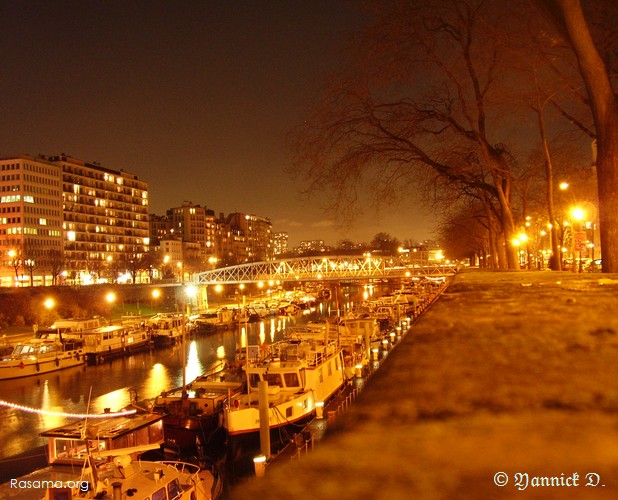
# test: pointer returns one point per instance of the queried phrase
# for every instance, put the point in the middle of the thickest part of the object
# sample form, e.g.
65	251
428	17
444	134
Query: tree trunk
555	261
605	112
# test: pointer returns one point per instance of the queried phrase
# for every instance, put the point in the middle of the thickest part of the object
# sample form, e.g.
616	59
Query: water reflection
157	380
194	366
92	389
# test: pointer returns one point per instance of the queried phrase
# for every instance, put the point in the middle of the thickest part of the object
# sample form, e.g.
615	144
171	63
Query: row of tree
481	106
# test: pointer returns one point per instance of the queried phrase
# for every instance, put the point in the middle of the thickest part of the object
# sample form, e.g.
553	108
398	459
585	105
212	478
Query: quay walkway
506	387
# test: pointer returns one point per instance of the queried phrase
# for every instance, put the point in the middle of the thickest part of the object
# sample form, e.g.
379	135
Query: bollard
319	410
259	465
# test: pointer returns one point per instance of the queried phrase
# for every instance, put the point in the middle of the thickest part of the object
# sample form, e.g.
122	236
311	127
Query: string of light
40	411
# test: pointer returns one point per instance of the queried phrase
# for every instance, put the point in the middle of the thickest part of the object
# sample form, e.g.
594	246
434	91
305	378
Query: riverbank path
507	387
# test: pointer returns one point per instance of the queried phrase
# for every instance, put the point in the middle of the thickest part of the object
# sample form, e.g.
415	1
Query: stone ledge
513	372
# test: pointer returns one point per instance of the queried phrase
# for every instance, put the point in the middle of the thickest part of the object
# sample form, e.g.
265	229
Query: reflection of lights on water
262	333
59	414
220	352
243	337
273	329
157	381
194	366
115	399
50	420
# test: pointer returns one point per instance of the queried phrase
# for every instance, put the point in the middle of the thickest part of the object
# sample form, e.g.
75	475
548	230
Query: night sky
194	97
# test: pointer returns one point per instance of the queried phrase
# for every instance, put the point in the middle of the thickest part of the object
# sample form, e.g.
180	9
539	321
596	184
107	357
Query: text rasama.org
44	484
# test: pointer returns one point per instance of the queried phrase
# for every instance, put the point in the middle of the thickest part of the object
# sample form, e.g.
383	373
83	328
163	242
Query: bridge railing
326	268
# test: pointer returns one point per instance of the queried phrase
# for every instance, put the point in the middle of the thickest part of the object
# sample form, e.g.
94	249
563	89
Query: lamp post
110	297
183	301
576	214
15	262
156	293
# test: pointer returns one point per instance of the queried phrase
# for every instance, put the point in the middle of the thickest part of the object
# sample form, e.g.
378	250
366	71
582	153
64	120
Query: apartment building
59	212
257	231
31	218
194	223
280	243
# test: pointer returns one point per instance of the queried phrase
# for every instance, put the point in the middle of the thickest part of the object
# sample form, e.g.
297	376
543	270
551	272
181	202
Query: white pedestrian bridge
325	268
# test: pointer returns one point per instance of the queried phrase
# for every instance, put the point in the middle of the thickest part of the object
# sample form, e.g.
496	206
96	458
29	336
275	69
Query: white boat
123	476
110	341
246	315
47	353
213	320
76	324
98	458
299	372
353	335
165	328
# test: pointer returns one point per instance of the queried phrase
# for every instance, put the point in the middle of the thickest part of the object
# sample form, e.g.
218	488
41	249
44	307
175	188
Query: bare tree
55	263
424	88
568	17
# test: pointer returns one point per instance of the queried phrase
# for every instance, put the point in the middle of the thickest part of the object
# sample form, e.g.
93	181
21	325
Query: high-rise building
194	223
31	244
257	231
90	221
280	243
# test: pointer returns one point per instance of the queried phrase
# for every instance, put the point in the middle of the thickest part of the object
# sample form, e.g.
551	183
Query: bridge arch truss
350	267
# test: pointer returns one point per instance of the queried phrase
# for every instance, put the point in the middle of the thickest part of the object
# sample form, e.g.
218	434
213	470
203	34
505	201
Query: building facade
257	231
31	218
65	214
280	244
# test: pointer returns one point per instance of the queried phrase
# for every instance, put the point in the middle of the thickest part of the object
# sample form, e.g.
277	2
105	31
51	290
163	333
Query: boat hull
15	368
242	416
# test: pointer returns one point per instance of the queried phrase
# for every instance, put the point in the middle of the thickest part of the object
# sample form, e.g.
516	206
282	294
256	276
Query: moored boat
193	413
214	320
299	372
98	458
165	328
47	353
111	341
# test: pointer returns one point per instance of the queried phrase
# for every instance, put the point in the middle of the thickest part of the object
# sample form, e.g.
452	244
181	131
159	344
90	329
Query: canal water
92	389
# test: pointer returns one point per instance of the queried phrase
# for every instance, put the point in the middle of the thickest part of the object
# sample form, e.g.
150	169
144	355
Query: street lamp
110	298
156	293
49	303
15	262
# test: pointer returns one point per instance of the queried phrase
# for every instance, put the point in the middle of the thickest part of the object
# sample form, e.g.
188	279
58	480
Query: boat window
174	490
274	379
291	379
159	494
330	369
320	376
254	378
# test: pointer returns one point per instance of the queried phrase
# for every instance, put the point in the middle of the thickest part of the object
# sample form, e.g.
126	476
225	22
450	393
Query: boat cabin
75	325
71	443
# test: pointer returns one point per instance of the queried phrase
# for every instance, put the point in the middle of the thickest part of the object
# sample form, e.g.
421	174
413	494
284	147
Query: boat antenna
89	459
